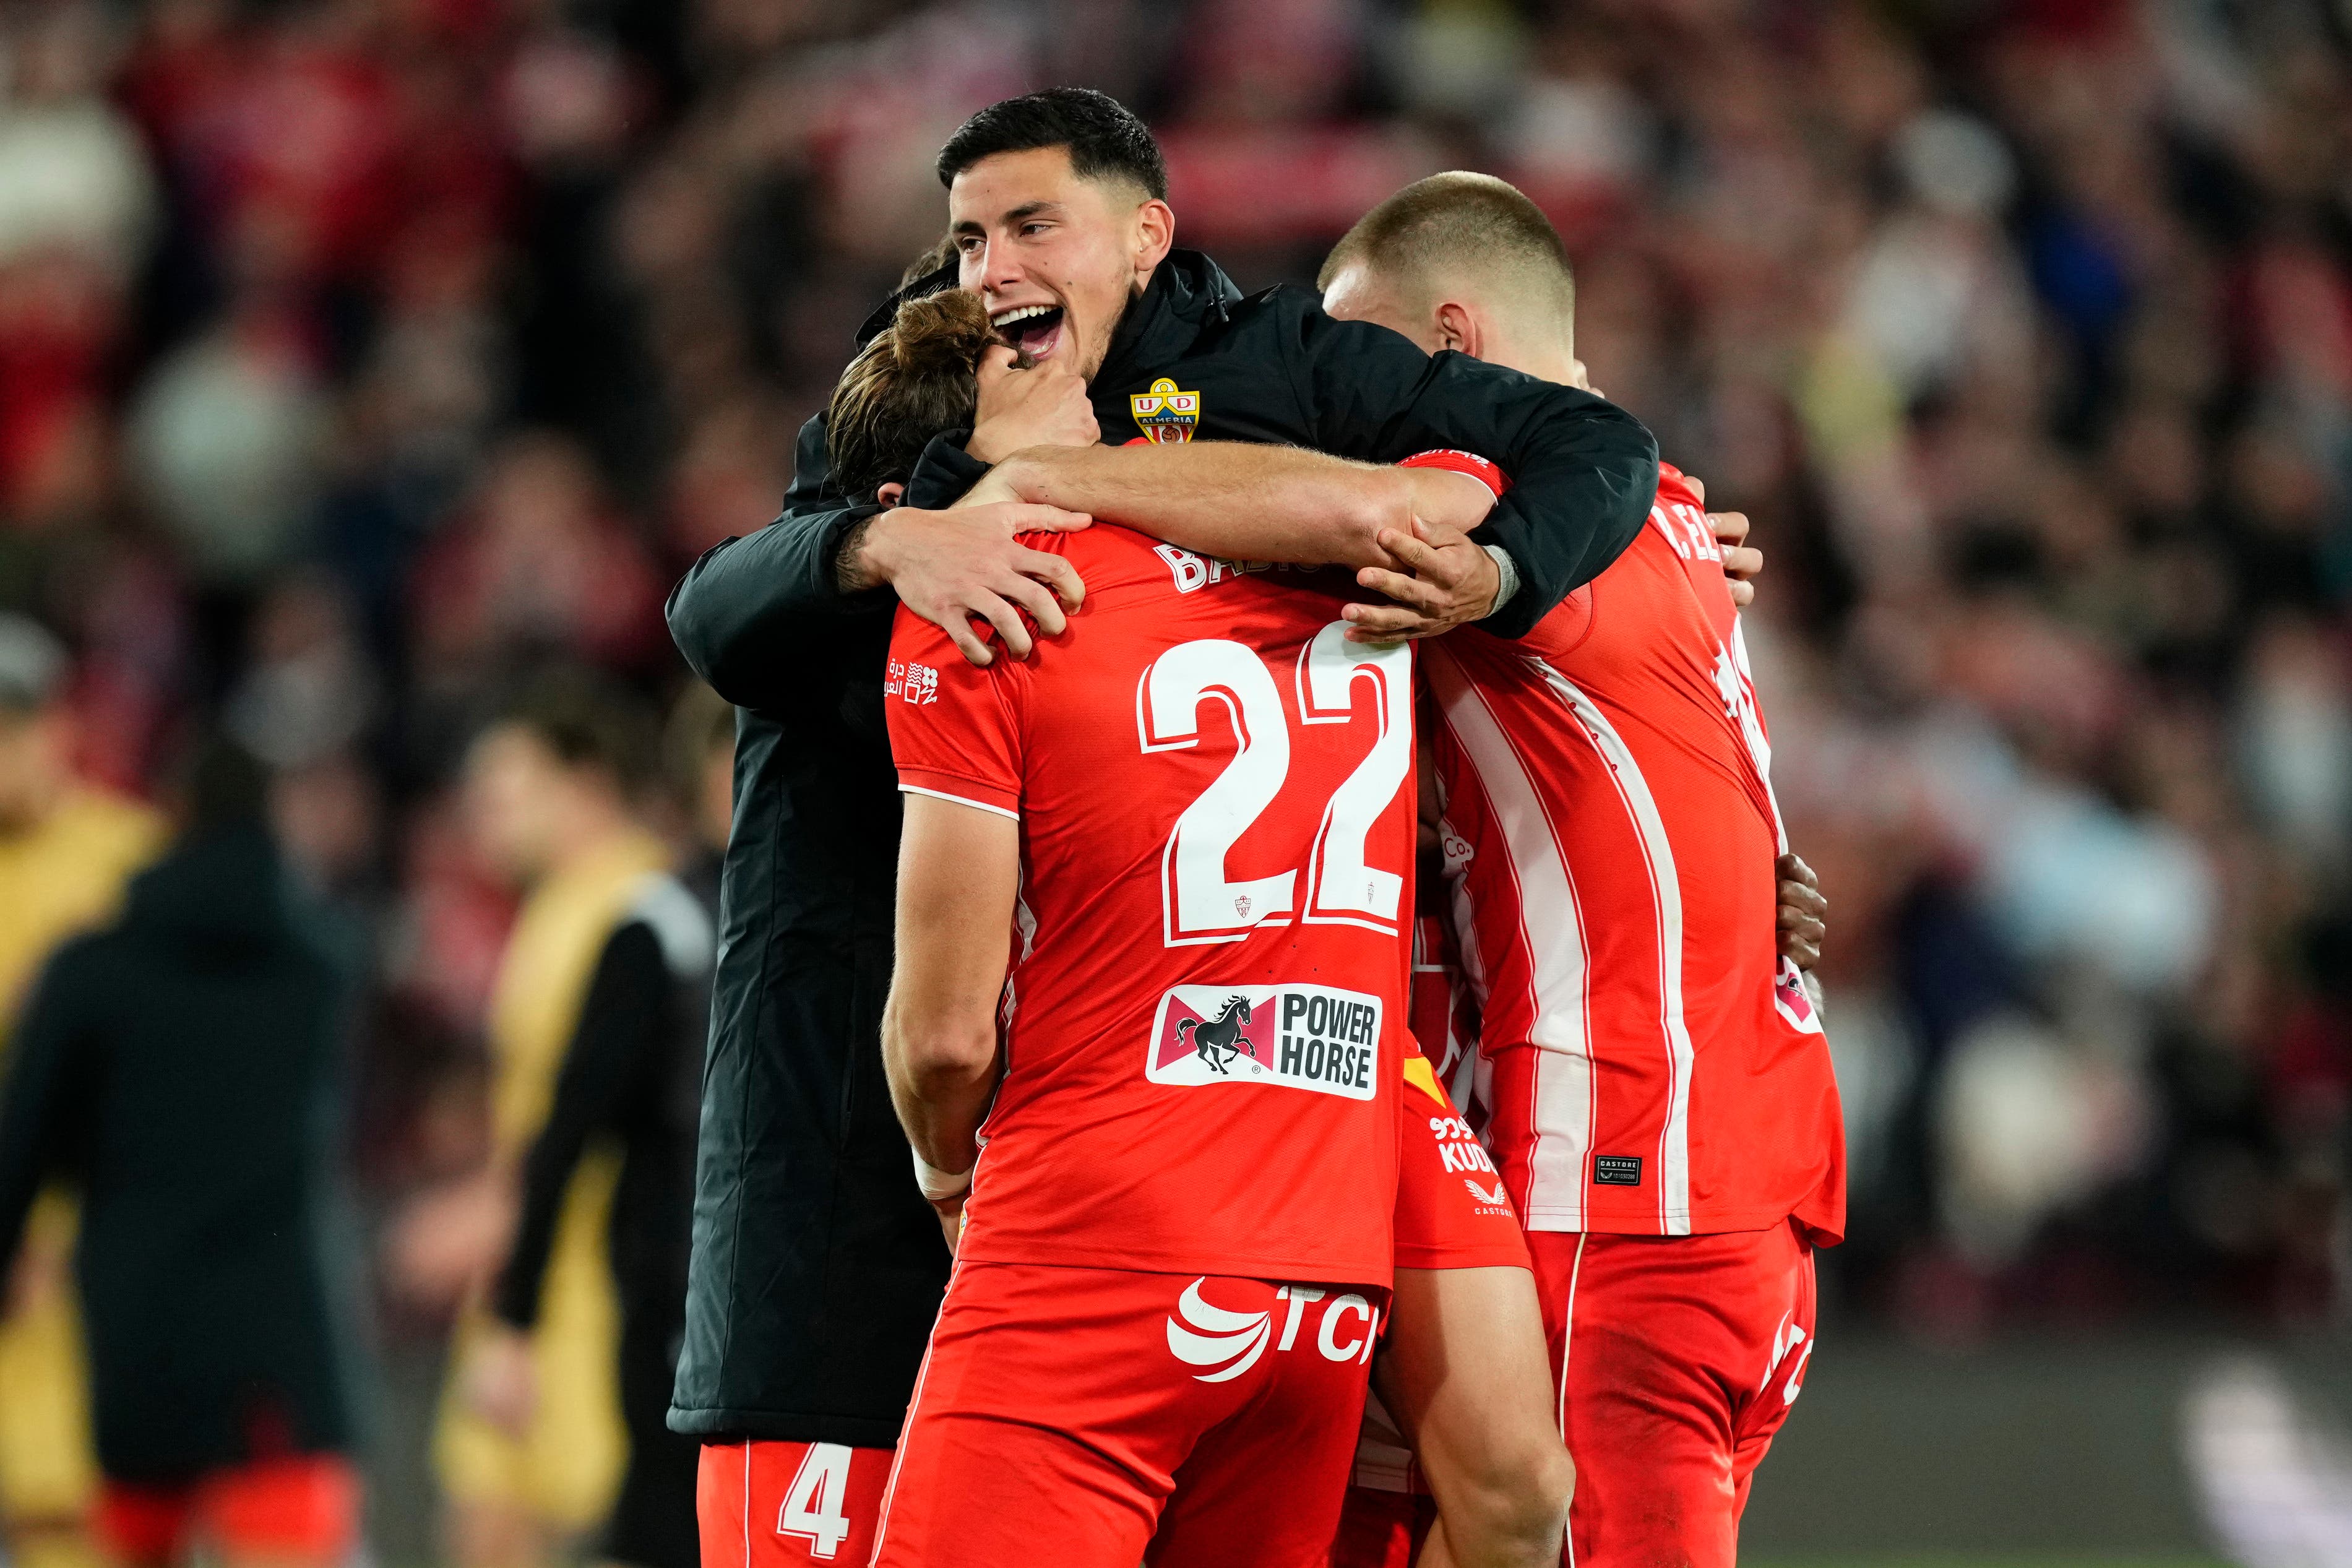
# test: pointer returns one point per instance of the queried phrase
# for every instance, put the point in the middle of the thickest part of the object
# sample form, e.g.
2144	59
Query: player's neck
1546	359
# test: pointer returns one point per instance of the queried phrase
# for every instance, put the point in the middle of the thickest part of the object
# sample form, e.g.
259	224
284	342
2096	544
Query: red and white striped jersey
1652	1065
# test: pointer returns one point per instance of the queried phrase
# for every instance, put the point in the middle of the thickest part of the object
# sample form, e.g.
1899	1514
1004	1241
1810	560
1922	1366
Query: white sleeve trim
959	799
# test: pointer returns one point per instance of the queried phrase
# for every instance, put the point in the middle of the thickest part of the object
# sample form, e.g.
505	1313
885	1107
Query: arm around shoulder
741	609
1235	500
738	611
1574	507
1583	472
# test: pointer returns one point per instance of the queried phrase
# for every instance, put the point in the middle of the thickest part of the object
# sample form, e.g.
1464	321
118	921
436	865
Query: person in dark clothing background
631	1077
183	1067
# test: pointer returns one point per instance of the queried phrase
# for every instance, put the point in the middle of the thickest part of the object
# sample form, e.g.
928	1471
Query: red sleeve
956	729
1469	463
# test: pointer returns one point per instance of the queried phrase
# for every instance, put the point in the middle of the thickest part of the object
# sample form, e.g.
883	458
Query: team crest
1165	415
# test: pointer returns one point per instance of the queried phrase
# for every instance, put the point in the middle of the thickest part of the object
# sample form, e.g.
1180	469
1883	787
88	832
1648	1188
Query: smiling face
1055	257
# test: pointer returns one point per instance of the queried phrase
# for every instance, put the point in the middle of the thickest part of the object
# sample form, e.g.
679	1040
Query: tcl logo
1229	1344
1791	1348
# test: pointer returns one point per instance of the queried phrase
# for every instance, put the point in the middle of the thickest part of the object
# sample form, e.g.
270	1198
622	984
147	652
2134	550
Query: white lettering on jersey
1458	1149
1298	1296
1347	1306
1230	1342
911	682
1685	528
1192	573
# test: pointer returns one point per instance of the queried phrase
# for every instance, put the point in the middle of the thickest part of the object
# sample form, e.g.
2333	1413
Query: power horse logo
1220	1040
1205	1034
1297	1036
1165	415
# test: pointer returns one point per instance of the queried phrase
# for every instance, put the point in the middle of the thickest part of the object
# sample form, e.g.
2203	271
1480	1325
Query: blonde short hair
1456	225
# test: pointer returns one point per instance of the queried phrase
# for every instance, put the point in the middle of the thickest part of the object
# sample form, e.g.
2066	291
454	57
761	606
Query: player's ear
1458	328
890	494
1155	235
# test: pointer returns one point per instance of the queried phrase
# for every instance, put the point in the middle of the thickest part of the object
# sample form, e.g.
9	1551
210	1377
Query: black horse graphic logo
1220	1041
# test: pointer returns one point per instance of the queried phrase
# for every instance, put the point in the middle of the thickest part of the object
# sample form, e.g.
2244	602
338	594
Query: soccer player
1195	808
631	1077
550	791
66	851
1663	1105
817	1269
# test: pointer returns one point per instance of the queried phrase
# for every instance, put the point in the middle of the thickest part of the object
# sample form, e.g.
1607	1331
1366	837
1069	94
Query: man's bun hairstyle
1105	138
918	376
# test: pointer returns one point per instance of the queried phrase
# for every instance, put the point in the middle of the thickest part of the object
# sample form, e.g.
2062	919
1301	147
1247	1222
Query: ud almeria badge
1164	414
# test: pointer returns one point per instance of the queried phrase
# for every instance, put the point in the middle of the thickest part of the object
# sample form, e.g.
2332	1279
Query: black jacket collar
1187	292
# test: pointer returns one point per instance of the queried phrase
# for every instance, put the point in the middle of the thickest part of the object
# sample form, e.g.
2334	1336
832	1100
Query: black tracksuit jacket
184	1066
817	1267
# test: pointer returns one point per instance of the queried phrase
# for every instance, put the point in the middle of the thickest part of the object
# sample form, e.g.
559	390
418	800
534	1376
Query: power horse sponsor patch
1299	1037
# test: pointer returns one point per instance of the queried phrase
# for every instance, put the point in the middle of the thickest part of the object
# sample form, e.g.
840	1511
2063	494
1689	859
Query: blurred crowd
359	356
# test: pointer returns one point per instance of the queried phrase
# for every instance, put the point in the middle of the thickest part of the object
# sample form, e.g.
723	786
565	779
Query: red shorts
1682	1356
772	1503
1380	1527
1078	1417
302	1506
1451	1209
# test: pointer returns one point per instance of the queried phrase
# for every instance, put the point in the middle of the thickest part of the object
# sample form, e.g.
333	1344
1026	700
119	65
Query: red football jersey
1205	1017
1609	831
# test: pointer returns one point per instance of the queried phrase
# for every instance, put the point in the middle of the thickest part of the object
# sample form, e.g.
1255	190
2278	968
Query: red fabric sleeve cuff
1469	463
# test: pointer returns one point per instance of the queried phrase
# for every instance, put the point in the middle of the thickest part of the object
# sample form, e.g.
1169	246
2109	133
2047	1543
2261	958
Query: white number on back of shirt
1199	903
813	1503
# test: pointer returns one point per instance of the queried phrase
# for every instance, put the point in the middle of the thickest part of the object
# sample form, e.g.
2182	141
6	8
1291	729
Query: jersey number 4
813	1503
1199	903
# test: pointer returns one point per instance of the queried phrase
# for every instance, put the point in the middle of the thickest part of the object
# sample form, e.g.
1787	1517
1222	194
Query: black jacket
817	1268
183	1065
632	1073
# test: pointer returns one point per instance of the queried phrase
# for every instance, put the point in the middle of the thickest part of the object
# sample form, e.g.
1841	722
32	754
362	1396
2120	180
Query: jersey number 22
1200	904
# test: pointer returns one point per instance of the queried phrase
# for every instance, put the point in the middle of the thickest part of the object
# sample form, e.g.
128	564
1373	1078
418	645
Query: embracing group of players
1138	586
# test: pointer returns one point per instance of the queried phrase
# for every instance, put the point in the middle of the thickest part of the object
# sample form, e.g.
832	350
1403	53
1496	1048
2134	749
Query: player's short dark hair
1453	222
1105	138
586	721
914	378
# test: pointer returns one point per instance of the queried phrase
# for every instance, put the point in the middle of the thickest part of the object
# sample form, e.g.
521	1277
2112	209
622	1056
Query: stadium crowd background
356	355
